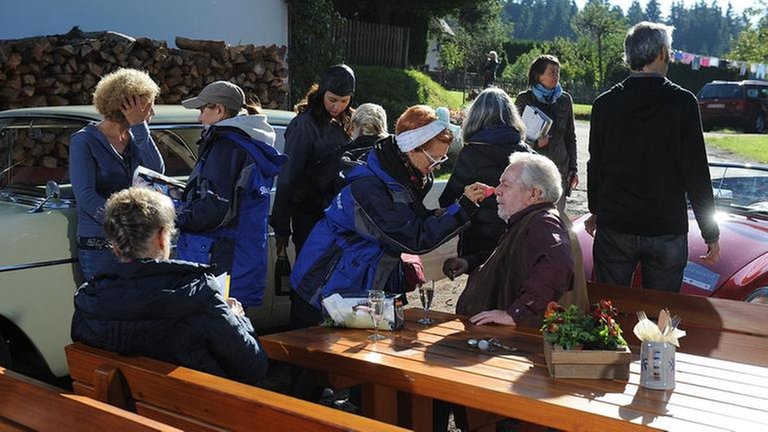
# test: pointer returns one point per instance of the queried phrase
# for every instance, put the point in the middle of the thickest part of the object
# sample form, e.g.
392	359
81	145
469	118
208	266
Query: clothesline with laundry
756	69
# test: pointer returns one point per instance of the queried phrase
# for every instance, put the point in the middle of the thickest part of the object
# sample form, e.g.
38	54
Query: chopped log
59	70
14	60
216	48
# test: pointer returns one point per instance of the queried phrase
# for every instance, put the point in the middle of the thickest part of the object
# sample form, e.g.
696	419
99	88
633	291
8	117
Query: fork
641	315
673	323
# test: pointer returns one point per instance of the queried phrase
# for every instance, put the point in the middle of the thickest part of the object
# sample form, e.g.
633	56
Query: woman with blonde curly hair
103	156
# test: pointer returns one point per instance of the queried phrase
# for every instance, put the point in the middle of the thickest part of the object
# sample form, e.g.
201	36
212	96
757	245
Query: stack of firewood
64	69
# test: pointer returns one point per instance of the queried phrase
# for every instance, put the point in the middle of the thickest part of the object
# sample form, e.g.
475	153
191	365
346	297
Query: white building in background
435	40
258	22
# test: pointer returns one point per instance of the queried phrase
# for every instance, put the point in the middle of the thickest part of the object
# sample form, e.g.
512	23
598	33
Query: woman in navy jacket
378	216
104	155
169	310
224	209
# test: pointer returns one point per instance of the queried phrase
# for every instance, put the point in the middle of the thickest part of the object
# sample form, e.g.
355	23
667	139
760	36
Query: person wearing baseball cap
314	141
222	219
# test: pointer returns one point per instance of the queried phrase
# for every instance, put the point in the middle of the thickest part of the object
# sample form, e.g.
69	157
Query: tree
600	24
653	11
752	44
540	19
704	29
635	13
478	29
312	47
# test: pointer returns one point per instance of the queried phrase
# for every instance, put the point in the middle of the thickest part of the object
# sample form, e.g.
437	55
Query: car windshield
720	91
34	151
740	188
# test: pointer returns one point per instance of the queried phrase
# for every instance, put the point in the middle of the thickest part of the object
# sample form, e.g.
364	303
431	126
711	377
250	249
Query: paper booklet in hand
537	123
223	285
171	187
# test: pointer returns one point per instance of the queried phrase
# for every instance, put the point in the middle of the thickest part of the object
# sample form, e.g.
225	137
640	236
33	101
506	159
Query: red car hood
742	241
743	257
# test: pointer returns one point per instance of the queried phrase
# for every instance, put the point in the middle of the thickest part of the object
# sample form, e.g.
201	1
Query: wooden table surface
436	362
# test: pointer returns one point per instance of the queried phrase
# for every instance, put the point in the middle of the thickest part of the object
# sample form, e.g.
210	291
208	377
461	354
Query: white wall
259	22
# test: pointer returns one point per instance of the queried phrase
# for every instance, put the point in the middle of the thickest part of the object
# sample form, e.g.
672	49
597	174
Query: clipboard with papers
537	123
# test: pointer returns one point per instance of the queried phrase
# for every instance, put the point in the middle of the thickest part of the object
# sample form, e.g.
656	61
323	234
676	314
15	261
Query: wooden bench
30	405
197	401
718	328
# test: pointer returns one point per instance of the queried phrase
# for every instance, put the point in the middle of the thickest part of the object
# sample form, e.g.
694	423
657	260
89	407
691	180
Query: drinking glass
426	294
376	309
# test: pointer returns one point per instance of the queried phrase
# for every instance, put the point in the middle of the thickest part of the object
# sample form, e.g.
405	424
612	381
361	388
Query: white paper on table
344	312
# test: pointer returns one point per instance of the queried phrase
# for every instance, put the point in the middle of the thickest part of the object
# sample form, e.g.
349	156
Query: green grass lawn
581	111
454	98
754	147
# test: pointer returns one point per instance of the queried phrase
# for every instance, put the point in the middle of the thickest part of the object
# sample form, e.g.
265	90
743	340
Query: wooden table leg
380	403
421	413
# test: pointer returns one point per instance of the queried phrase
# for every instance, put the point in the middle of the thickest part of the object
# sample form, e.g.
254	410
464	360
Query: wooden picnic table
435	362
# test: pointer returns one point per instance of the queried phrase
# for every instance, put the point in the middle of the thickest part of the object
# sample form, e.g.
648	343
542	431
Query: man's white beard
503	214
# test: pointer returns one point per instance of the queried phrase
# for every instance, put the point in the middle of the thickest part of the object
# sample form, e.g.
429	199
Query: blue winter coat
356	247
168	310
223	217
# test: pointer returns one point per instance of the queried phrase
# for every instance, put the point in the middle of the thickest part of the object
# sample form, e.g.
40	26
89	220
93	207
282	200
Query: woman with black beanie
313	141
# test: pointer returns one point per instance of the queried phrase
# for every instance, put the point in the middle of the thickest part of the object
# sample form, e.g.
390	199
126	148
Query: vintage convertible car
38	258
741	195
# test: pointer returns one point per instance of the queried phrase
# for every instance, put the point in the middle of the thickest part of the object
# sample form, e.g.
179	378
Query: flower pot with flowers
585	345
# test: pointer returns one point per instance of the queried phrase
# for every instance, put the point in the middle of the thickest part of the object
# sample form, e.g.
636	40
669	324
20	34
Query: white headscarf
415	138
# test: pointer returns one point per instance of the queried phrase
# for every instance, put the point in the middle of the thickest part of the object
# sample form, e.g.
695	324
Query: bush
397	89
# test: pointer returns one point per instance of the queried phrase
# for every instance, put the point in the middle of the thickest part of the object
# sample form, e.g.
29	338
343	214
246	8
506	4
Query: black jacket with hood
168	310
647	154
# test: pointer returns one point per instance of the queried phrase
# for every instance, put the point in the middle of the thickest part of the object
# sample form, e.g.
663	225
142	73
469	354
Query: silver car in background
39	271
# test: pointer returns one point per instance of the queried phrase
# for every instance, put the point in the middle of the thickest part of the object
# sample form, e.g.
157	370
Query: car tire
707	127
758	124
759	295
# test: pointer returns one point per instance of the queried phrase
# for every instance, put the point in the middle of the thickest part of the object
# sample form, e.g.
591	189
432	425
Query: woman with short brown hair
146	304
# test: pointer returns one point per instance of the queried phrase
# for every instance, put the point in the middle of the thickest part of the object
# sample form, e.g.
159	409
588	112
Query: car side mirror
52	194
52	191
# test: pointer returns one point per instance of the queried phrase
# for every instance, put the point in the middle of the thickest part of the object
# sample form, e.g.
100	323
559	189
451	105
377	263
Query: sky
738	5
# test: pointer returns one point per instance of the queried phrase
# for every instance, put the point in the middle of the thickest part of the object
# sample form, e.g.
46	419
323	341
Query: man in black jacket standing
647	153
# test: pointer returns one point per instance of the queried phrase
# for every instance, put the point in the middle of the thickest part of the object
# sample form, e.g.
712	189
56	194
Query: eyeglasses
435	162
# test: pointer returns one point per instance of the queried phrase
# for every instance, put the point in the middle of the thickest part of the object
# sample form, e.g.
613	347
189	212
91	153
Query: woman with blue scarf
546	94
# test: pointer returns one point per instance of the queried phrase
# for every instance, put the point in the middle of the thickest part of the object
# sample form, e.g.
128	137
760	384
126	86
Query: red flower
552	308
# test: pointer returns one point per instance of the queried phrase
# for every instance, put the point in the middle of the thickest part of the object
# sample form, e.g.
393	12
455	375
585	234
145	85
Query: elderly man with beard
533	262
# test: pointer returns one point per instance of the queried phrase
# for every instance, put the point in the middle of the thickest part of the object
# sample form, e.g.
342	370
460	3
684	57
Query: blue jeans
92	262
662	259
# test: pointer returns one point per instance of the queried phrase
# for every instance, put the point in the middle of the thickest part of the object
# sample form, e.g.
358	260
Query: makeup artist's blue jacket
223	217
356	247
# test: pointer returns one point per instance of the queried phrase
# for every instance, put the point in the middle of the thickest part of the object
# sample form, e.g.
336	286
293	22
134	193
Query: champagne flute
426	294
376	309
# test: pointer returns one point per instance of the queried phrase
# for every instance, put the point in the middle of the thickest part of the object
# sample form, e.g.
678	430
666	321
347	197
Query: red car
741	104
741	195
